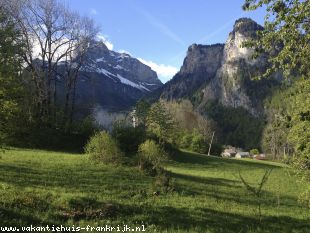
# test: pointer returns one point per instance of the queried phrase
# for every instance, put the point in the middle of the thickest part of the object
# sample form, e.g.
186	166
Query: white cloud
93	11
165	72
104	39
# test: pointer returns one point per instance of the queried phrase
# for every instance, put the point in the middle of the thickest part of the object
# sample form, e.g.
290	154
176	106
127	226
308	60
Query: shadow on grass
193	159
71	178
208	220
206	180
10	217
226	190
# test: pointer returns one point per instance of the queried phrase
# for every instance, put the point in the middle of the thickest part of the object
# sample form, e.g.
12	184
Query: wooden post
211	143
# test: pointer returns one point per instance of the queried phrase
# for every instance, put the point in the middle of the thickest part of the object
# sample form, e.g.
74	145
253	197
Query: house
260	157
242	154
229	152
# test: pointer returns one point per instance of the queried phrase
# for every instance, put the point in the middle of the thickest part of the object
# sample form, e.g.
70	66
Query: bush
198	143
102	147
185	141
254	152
128	137
151	156
163	183
216	149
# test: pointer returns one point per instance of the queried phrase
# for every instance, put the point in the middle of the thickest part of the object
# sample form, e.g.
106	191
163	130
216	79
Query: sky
159	32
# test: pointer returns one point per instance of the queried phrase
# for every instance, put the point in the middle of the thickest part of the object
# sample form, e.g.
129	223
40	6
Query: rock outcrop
223	72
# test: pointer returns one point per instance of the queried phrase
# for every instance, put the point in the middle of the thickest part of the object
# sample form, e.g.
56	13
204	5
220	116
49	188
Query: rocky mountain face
223	72
113	81
200	65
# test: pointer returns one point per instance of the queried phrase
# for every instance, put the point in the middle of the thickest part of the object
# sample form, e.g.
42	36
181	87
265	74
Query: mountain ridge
222	72
112	81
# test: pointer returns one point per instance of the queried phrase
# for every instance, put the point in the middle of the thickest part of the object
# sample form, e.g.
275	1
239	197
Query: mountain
223	73
112	81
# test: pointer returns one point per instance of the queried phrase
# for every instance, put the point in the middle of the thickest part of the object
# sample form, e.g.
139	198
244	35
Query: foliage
103	148
287	130
128	137
285	37
142	108
238	127
22	123
160	123
151	156
193	141
194	131
163	183
11	90
254	151
63	36
198	143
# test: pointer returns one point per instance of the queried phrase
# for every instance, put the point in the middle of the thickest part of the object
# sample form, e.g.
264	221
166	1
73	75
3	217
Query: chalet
230	152
242	154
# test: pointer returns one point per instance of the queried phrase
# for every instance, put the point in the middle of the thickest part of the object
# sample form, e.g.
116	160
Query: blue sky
159	32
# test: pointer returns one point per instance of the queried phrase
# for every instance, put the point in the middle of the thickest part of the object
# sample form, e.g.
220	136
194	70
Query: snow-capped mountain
113	81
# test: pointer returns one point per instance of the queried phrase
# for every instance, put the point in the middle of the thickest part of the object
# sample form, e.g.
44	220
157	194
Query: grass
43	187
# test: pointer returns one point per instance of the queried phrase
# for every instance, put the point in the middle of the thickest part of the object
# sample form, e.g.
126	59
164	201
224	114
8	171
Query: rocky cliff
223	72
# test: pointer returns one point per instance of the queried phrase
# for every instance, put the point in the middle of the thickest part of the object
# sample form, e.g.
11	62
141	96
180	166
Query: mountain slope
223	73
112	81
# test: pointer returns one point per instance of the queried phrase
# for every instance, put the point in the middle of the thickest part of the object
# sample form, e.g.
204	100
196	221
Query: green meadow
53	188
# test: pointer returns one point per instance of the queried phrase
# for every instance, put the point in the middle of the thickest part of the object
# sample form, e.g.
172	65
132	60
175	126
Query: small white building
242	154
230	152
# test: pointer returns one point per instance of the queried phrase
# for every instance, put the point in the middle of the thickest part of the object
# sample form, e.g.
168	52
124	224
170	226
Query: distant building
230	152
260	157
242	154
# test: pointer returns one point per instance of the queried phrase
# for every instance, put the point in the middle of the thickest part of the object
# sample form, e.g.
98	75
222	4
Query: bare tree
55	36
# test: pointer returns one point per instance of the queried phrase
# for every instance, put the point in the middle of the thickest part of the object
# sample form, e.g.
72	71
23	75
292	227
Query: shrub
254	152
102	147
163	183
216	149
151	156
198	143
185	141
128	137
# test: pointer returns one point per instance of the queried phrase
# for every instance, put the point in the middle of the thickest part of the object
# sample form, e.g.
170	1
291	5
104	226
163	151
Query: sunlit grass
43	187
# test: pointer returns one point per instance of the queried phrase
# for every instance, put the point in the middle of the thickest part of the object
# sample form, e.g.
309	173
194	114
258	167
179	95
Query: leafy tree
238	127
285	37
129	138
103	148
61	36
286	40
254	151
11	91
142	108
151	155
160	123
198	144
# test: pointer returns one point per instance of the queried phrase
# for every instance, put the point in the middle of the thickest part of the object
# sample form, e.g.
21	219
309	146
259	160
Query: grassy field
41	187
